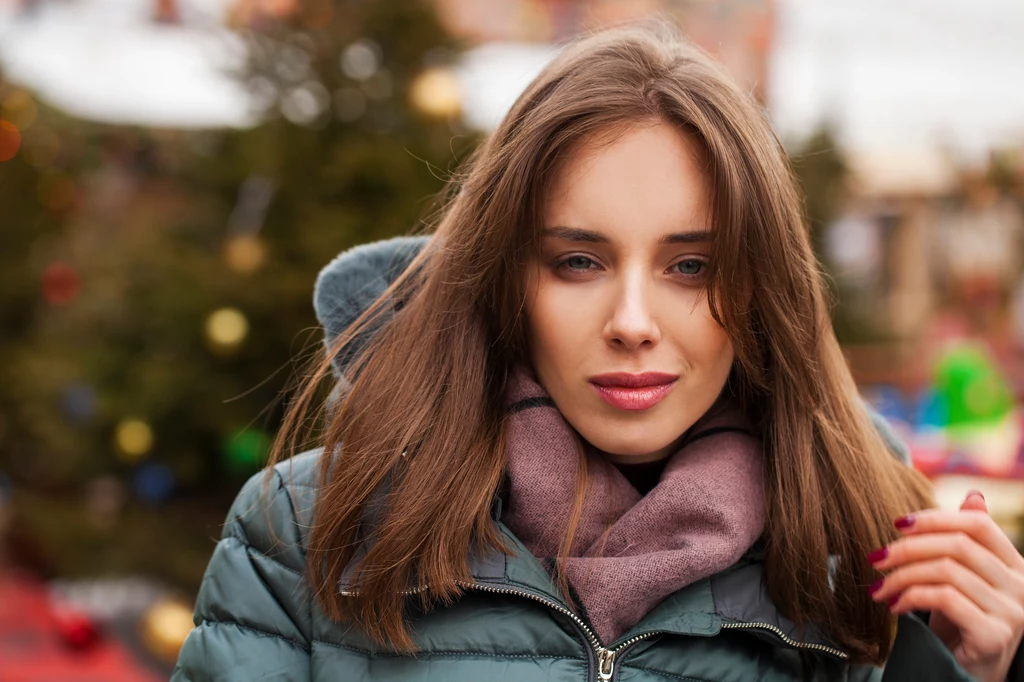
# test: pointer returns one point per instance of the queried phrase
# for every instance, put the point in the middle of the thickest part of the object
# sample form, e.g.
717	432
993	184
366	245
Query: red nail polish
905	521
876	586
892	602
878	555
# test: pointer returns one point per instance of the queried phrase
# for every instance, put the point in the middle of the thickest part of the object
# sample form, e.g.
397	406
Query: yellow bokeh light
226	329
436	92
164	628
19	108
244	254
133	438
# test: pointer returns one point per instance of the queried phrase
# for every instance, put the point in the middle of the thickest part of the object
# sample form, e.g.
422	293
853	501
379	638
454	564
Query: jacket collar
734	598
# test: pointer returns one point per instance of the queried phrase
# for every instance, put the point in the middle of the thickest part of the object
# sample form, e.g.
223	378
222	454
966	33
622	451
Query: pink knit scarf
705	512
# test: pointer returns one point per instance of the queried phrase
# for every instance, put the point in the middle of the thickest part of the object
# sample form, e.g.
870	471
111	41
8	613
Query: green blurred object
974	391
246	450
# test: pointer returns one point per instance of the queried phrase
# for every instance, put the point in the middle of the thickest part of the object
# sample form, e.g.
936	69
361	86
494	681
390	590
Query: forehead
644	179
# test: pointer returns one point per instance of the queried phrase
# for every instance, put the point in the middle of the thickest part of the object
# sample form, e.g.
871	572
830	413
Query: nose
632	323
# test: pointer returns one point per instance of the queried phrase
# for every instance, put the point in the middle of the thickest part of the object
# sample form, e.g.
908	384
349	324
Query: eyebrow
577	234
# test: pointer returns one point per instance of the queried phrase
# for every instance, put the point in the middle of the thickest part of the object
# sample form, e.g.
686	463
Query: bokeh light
361	59
104	500
153	483
19	108
78	402
10	140
305	104
164	628
244	253
226	329
61	284
246	450
133	438
436	92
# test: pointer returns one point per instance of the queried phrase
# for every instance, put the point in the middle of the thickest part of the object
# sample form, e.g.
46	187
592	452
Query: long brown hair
432	381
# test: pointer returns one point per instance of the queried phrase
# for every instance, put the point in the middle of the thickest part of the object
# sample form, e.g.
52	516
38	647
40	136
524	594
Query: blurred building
738	32
937	249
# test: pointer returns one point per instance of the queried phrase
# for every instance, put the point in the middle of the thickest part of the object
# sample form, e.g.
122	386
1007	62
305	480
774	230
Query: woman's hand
962	568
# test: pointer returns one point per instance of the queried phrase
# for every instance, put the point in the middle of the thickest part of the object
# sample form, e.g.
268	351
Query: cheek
547	334
559	326
702	340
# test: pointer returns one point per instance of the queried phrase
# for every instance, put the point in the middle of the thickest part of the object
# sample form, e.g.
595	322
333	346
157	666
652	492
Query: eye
690	267
578	263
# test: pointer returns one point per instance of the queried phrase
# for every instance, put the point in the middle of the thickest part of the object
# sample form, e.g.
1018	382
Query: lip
633	392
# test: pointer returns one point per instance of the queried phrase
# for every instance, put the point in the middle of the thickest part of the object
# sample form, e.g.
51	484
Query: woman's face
620	332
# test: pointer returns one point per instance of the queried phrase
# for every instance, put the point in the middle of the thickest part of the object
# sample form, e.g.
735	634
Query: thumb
974	501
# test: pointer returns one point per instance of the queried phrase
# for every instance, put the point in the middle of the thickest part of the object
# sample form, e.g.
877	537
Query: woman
598	427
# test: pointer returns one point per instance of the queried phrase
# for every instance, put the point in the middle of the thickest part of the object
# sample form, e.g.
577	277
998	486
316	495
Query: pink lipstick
633	392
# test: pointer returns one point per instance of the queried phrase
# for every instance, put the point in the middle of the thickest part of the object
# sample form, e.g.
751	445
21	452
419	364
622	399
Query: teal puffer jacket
256	619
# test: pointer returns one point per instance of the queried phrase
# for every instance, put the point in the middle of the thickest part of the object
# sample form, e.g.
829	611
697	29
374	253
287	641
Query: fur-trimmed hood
349	284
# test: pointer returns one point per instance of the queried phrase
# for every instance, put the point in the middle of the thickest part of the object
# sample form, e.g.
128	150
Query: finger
959	546
944	571
960	610
974	501
975	523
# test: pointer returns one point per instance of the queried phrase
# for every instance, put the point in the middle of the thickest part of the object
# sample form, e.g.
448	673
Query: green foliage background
144	221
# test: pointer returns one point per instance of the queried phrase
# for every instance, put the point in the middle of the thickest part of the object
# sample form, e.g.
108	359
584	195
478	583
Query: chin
629	447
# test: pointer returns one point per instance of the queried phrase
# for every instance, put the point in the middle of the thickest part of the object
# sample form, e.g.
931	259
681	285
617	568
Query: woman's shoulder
272	512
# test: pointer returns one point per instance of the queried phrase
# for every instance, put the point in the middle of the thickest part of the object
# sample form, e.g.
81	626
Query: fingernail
976	492
878	555
905	521
892	602
876	586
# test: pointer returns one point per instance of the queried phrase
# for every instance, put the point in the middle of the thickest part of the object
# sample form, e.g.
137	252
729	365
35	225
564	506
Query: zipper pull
605	664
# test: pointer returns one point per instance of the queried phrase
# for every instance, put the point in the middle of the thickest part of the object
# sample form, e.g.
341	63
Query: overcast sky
902	73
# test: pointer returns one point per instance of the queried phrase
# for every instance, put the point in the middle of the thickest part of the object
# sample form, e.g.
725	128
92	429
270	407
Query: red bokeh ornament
60	283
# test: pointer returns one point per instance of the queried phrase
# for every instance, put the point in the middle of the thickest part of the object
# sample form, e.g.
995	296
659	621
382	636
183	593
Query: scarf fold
705	512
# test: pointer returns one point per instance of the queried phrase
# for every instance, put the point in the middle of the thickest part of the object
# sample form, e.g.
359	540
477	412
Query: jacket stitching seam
264	633
387	654
295	520
664	673
256	550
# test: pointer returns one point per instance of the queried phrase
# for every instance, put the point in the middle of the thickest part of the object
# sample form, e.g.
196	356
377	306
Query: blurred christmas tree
155	286
823	172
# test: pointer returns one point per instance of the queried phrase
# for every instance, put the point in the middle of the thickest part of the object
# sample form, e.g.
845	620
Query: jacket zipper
781	635
606	657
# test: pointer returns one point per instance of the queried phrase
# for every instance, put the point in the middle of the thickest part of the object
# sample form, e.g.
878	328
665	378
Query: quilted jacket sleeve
252	615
